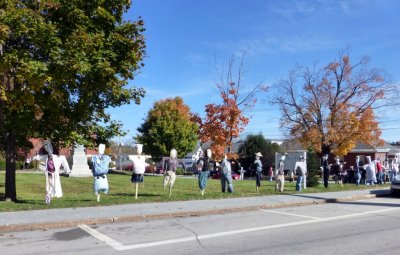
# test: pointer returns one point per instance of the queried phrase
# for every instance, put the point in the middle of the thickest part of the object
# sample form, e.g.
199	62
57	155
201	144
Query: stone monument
80	167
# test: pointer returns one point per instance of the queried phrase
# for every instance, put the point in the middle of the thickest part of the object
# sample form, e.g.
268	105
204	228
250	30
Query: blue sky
188	39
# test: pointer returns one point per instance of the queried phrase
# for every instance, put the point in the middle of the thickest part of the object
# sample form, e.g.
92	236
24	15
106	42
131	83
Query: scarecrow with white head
206	164
170	166
139	167
280	174
257	165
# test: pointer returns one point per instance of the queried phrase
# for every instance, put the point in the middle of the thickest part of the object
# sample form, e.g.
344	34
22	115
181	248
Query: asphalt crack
194	233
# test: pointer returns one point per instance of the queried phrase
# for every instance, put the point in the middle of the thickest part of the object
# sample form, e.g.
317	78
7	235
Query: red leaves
223	123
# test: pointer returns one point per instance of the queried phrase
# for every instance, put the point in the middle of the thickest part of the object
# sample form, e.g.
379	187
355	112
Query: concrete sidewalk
69	217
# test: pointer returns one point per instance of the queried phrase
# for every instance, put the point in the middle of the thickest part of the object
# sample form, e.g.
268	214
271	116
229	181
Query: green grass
78	192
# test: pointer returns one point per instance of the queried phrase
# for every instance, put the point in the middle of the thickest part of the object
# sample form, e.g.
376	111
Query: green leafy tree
169	124
257	143
62	64
312	169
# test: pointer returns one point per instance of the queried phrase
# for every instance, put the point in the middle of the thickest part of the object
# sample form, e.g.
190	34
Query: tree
257	143
168	125
226	121
62	64
312	169
332	108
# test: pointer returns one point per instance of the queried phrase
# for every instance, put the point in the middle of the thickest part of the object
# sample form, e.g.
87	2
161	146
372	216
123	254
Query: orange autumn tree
332	109
227	120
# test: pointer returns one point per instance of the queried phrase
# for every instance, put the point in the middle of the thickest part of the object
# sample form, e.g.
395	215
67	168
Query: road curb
196	213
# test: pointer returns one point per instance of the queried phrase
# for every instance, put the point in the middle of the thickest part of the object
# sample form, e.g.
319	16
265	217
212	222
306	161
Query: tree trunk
326	150
11	191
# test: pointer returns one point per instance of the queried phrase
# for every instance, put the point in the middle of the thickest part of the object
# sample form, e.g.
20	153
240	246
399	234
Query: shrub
313	169
179	171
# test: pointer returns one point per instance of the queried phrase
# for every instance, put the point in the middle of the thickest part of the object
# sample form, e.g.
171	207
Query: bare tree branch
334	106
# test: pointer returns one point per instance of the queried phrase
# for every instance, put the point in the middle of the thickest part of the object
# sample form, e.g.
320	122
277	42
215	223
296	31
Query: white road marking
111	242
151	244
291	214
120	247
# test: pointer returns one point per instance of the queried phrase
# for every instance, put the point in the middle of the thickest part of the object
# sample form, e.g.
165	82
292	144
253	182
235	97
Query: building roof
295	146
290	145
38	145
385	148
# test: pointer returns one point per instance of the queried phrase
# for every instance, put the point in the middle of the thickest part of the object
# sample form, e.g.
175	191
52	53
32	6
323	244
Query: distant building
37	147
279	142
294	150
191	158
384	152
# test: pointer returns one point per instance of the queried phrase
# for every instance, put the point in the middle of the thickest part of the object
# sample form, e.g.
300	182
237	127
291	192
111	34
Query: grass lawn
78	192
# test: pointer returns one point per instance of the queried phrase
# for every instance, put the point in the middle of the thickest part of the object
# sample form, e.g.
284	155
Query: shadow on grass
119	172
19	201
83	200
149	195
133	194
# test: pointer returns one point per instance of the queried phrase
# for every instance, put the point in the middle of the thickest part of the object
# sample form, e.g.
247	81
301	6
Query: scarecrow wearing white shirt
300	168
280	174
370	168
53	164
139	166
394	167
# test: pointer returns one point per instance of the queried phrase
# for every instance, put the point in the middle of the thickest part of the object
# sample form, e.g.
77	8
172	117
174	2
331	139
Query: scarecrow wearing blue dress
206	164
226	175
100	169
258	170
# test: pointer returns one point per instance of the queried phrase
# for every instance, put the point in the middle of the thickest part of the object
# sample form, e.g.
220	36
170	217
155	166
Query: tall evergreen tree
257	143
313	169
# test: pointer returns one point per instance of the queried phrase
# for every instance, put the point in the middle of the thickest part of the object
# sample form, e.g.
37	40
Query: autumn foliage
226	121
223	123
332	109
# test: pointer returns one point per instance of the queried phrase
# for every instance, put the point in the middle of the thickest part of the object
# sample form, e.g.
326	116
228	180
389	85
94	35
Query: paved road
70	217
356	227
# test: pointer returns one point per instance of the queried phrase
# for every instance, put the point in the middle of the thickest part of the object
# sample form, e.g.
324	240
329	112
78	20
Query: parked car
123	163
159	169
395	185
235	176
